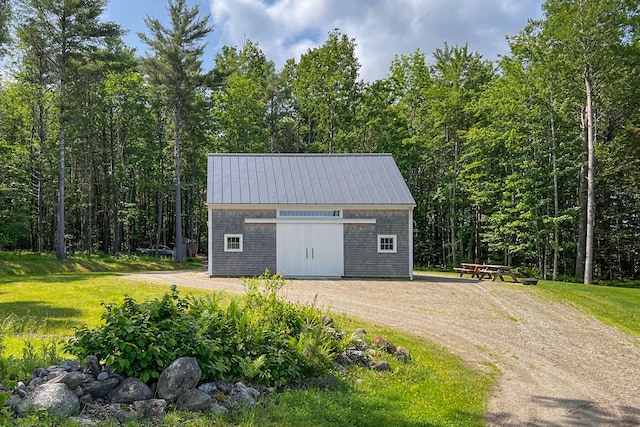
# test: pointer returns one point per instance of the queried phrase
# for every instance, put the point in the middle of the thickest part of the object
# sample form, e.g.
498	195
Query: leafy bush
259	337
139	339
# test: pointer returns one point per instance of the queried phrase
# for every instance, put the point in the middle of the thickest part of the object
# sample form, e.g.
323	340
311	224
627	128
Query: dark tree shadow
48	316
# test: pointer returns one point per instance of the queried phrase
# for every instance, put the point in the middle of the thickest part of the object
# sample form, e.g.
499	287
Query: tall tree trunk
178	252
556	203
60	244
591	151
582	205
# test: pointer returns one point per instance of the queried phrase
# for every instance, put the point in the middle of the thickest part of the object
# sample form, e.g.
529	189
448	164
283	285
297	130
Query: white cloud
382	28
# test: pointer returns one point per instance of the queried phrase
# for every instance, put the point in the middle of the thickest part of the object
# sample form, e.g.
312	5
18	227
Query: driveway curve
559	366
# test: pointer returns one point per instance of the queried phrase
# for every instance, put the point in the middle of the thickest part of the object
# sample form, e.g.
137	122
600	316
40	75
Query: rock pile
361	354
91	393
62	390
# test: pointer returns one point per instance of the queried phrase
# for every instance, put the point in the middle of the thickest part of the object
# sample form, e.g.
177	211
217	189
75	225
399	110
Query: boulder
182	375
384	345
71	378
101	388
381	365
56	398
402	354
356	357
93	366
243	395
152	408
194	400
123	413
130	390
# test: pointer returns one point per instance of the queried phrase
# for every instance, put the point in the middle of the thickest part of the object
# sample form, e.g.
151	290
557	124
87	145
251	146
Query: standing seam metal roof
306	179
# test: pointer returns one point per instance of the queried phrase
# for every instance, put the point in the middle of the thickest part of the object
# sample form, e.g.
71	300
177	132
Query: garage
309	215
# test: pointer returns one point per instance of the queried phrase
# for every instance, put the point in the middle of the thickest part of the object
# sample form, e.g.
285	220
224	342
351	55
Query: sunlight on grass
435	388
28	263
58	303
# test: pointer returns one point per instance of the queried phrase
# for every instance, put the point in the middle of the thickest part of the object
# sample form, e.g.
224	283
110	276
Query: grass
435	389
27	263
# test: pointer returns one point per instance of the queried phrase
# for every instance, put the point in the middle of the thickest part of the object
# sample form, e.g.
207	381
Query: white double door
310	249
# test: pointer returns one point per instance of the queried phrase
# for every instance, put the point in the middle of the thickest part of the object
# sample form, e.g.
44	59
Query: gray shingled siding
259	243
361	245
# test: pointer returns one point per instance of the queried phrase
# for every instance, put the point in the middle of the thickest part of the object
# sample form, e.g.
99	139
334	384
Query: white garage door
310	250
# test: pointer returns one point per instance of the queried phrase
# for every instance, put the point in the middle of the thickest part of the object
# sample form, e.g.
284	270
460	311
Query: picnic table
487	270
473	269
495	271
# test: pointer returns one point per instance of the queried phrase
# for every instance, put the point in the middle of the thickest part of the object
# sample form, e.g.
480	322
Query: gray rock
102	376
243	395
17	404
209	388
101	388
384	344
217	408
152	408
359	334
71	378
123	413
194	400
21	389
381	365
72	365
402	354
356	357
182	375
130	390
93	365
224	386
56	398
36	382
360	345
40	373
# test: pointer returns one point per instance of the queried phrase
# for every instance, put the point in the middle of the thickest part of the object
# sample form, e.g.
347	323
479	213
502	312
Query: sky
382	29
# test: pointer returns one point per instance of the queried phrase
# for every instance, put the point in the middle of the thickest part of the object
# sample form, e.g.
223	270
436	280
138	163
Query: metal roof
306	179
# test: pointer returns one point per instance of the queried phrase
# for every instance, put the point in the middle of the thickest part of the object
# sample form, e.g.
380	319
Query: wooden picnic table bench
495	271
468	268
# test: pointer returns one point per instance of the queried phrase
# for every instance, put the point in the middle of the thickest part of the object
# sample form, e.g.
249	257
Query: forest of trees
532	160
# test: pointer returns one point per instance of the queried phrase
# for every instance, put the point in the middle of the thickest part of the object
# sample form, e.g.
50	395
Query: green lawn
435	389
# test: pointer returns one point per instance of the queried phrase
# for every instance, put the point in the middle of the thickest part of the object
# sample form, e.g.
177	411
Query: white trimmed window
233	242
387	244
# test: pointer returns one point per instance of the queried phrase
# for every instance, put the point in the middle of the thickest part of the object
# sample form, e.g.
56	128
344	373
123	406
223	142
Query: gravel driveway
559	366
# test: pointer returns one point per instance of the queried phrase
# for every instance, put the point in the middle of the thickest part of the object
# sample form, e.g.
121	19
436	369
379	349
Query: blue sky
382	28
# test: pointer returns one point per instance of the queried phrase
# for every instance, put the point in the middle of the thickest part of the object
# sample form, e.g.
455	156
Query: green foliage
139	339
15	368
258	338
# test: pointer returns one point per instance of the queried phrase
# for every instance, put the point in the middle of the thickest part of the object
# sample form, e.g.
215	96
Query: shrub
139	339
259	337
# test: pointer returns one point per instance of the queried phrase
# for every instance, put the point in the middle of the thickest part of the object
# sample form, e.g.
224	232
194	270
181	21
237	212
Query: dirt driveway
559	367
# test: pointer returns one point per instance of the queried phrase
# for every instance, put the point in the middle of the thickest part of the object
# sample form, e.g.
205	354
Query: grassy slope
24	264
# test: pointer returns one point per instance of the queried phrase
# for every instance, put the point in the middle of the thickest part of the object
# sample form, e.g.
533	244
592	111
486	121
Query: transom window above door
291	213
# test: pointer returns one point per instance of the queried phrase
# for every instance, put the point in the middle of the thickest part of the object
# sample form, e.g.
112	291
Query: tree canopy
530	160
